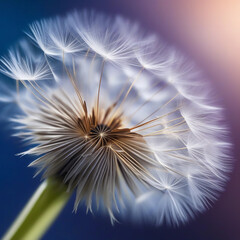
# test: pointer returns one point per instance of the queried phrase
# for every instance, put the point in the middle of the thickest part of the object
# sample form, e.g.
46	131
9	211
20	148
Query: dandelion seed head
124	120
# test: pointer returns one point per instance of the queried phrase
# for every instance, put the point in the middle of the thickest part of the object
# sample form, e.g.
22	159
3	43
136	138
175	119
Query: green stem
41	210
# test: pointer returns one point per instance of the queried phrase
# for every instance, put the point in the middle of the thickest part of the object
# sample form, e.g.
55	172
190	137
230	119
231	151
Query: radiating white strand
23	68
99	34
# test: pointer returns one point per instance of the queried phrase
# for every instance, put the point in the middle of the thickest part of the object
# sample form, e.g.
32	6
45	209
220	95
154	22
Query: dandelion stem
40	212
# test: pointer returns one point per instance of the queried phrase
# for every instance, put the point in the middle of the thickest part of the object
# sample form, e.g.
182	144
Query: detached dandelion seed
124	120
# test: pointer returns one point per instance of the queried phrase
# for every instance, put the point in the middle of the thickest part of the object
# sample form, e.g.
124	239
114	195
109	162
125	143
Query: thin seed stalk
40	212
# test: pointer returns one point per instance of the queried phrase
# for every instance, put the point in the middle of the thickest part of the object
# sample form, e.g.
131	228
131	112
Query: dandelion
124	120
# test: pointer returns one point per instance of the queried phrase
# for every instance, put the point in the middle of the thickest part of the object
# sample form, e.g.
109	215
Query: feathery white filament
23	67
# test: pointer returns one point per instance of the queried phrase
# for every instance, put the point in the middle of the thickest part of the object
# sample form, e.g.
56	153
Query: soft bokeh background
209	30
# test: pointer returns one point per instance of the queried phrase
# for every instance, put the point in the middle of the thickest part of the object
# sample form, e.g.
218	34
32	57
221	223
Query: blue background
222	222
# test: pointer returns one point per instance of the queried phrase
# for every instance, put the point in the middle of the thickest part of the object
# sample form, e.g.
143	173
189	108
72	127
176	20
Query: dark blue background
222	222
